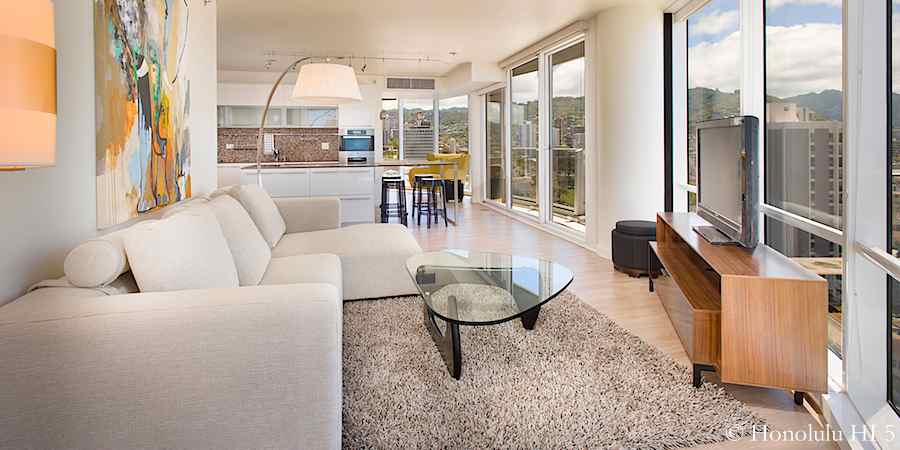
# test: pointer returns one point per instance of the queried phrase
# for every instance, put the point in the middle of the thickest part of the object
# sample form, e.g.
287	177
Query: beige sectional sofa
146	345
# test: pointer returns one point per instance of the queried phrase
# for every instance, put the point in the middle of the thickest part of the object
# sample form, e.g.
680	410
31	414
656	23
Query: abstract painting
142	106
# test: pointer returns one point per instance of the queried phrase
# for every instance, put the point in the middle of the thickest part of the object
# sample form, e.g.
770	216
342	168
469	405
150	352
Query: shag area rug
577	380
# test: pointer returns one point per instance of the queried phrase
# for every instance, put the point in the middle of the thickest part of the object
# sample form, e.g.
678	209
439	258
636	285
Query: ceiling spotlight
363	70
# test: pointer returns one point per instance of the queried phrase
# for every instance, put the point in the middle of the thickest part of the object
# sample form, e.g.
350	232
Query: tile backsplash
293	144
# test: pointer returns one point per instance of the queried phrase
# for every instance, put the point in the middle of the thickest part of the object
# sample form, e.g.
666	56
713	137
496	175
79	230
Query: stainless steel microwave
357	143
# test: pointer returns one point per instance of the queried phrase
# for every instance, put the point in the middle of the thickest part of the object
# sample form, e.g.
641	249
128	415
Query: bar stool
421	196
438	189
390	184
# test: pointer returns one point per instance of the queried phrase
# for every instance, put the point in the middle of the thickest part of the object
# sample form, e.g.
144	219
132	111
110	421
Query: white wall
48	211
629	138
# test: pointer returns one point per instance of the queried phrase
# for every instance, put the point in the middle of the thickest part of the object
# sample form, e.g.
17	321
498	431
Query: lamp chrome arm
262	125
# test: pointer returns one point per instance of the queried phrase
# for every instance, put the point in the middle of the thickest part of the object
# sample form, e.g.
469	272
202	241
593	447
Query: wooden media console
754	316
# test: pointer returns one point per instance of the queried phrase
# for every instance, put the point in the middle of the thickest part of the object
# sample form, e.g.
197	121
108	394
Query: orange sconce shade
27	85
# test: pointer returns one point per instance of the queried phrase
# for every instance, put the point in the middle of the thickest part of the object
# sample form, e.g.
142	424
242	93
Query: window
390	126
525	133
418	128
537	138
495	143
804	117
567	137
453	135
804	138
713	73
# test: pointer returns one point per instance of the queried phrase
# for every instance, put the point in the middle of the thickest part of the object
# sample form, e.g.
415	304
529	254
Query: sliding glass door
495	147
525	137
567	137
535	139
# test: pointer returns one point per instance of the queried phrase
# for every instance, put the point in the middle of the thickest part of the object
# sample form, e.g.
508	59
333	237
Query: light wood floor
623	299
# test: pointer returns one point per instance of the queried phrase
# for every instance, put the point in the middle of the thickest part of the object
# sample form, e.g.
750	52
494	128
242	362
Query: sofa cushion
315	268
264	213
248	368
97	262
373	257
250	251
233	190
184	251
183	205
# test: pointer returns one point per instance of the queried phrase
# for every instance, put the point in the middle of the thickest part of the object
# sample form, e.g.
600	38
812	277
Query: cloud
799	59
716	65
715	23
773	4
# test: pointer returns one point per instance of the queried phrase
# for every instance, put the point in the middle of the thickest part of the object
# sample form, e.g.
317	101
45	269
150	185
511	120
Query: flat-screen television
728	177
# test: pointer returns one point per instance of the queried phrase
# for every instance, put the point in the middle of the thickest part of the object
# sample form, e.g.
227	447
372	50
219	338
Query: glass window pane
453	135
418	128
804	117
567	137
525	134
390	128
714	67
819	256
496	146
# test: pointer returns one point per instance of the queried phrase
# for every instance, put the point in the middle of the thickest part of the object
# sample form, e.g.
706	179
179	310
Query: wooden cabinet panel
776	333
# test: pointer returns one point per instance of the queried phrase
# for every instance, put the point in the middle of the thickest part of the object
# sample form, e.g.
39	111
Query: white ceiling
477	30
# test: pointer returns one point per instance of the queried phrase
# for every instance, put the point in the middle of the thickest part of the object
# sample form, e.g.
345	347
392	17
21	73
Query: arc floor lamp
318	84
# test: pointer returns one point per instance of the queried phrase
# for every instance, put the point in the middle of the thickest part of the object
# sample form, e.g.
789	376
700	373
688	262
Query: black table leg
447	342
698	377
530	318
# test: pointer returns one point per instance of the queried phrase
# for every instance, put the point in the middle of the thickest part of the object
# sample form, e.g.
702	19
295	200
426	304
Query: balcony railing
567	178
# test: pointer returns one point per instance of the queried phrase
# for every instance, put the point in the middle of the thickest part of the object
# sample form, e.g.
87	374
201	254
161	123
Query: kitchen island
358	185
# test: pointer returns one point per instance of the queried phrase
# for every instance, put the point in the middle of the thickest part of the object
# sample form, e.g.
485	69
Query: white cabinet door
280	184
229	175
357	210
342	182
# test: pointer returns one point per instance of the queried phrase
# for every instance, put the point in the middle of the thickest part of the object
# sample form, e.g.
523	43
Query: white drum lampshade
325	84
27	85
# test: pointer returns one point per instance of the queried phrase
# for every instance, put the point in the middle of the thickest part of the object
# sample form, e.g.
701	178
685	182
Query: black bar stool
390	184
421	195
438	207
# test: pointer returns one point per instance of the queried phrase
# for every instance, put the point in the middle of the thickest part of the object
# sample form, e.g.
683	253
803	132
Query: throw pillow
184	251
264	213
250	251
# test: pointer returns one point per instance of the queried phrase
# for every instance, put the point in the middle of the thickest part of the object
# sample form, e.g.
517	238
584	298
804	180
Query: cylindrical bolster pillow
97	262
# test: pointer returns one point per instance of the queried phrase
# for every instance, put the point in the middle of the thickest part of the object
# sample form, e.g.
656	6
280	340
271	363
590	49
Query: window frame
544	217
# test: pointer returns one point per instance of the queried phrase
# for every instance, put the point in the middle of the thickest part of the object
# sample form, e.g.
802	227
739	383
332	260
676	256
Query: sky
803	46
568	81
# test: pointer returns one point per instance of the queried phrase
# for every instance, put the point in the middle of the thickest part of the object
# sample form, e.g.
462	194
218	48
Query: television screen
720	162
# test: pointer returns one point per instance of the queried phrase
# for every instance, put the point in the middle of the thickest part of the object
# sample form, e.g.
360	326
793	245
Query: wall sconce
27	85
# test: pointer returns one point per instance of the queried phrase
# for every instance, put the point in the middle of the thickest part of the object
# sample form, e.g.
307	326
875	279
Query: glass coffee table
469	288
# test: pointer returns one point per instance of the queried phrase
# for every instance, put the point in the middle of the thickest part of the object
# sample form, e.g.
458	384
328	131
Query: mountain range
827	104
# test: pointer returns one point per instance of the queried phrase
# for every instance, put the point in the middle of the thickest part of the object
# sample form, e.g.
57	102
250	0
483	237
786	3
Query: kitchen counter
357	185
343	165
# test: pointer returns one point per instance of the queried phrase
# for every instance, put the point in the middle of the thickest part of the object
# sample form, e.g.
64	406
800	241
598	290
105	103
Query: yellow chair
445	172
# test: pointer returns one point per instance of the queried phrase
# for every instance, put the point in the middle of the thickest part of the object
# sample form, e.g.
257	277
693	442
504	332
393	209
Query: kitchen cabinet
355	186
242	116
